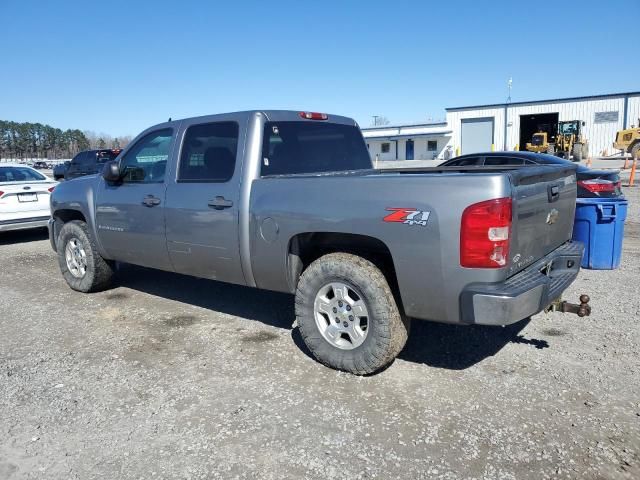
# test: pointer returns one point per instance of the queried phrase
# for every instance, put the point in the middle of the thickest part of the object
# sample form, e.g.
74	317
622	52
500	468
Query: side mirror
111	172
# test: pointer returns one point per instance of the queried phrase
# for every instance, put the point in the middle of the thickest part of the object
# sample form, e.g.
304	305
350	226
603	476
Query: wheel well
305	248
67	215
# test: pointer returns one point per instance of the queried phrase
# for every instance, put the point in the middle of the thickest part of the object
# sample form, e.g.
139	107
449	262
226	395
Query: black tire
387	329
585	150
551	149
577	152
635	151
99	272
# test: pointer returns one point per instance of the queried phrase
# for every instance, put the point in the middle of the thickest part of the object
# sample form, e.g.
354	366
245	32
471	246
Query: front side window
209	152
464	162
146	162
312	147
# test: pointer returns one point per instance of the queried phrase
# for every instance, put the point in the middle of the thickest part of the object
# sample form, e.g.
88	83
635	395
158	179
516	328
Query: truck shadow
458	347
438	345
14	237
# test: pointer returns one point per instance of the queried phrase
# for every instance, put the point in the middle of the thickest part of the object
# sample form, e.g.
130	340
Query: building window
432	145
385	147
605	117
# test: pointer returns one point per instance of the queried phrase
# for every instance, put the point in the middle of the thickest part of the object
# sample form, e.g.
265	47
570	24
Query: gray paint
249	243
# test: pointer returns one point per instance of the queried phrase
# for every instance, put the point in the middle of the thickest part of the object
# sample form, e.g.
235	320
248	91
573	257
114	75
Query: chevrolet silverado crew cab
289	201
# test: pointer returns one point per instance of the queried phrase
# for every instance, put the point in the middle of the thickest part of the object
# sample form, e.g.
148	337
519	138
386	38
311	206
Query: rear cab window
298	147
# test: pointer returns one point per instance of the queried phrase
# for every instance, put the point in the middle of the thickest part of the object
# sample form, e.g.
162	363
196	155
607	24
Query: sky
119	67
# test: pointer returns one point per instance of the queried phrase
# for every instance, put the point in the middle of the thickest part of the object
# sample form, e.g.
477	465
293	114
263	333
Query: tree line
22	140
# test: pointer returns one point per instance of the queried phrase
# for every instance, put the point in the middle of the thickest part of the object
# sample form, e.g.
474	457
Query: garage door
476	135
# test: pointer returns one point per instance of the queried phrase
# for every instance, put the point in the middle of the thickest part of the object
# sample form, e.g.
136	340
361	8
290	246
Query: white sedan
24	197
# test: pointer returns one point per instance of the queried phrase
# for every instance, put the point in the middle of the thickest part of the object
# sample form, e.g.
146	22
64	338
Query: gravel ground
168	376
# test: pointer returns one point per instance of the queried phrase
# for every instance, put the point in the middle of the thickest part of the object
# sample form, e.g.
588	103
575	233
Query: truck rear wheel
347	314
82	267
551	149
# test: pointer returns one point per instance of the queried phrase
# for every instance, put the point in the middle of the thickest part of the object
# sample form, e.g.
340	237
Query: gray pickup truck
289	201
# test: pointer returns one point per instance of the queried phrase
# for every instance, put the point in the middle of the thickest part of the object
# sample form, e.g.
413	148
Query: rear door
544	206
202	201
130	213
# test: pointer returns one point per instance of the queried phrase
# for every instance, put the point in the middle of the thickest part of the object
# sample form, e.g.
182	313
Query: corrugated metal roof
553	100
403	125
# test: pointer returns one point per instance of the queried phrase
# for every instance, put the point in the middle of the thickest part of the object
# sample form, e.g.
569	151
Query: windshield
568	128
310	147
19	174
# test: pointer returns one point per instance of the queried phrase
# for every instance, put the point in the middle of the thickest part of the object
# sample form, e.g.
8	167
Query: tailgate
544	203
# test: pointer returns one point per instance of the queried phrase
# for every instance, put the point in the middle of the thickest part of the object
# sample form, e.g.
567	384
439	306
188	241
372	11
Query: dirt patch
181	321
259	337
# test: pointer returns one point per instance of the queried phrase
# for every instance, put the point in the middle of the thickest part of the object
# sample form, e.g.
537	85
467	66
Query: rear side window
503	161
83	158
310	147
209	153
19	174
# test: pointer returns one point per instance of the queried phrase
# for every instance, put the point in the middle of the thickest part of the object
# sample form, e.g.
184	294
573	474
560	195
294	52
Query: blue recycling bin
599	224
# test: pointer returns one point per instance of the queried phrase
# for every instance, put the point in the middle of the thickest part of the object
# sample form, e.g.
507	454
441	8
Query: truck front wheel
82	266
347	314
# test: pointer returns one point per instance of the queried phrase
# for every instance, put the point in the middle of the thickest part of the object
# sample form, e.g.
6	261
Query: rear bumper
524	294
23	223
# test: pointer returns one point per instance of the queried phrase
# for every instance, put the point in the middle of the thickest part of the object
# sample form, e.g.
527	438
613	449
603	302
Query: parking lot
167	376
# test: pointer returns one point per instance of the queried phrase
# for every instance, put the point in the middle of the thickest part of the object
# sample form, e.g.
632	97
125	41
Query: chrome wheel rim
76	258
341	315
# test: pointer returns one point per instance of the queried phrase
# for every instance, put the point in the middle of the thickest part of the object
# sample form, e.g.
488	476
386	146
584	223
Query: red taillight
1	193
50	189
484	234
314	115
598	185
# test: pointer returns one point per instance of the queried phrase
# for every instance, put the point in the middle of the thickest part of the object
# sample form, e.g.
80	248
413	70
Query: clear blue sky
118	67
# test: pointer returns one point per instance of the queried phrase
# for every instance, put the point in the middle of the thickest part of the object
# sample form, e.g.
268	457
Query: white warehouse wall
599	135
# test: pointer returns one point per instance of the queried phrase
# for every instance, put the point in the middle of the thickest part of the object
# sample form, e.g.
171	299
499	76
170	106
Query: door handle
151	201
220	202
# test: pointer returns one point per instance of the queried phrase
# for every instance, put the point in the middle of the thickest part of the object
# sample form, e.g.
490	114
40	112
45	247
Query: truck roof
271	115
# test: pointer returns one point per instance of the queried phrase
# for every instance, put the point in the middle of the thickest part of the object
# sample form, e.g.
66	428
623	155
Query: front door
409	147
202	202
130	213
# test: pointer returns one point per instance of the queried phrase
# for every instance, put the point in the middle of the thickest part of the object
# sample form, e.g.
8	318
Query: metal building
509	126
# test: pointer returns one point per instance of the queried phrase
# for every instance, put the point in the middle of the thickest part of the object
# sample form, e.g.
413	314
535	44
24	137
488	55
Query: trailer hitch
582	310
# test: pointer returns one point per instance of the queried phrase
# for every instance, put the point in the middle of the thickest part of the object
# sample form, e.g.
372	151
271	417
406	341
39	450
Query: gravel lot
168	376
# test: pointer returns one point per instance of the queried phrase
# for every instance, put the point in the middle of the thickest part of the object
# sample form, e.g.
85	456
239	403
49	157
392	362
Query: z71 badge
408	216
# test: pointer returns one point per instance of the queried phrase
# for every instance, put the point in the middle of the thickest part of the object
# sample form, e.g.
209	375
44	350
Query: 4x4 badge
408	216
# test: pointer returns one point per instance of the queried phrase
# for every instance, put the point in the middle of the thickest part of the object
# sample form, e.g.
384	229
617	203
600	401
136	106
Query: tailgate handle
553	192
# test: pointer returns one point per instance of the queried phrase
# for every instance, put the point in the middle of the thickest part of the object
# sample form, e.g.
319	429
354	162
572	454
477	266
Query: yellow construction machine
629	140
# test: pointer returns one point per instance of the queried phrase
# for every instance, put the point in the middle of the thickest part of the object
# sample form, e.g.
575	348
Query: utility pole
375	119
